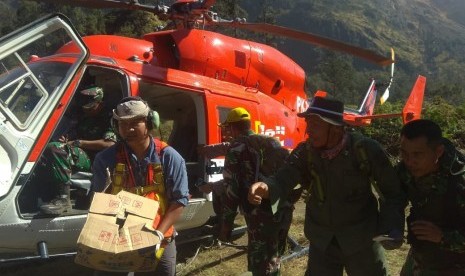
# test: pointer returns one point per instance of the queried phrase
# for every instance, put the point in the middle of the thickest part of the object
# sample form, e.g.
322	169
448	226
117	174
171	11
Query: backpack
363	164
270	157
269	153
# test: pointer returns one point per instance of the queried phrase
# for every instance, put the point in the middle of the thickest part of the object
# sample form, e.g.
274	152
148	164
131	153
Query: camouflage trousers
60	161
411	268
267	242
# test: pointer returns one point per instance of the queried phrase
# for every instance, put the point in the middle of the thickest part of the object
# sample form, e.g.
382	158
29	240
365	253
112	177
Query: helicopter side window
223	114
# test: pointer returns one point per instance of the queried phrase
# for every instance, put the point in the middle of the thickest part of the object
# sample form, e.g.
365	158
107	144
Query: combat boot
60	204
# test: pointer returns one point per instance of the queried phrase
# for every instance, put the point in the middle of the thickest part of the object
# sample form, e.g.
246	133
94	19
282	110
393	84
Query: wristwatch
77	143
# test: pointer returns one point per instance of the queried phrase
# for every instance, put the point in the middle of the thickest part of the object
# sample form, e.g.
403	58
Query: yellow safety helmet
236	115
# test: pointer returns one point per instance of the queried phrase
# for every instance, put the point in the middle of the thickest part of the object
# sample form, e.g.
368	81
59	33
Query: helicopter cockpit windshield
26	79
23	89
32	81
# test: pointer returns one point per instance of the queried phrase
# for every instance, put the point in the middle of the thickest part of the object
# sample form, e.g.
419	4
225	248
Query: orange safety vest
154	186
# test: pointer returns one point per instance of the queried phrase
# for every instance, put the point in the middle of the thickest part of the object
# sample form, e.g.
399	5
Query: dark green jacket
440	199
349	209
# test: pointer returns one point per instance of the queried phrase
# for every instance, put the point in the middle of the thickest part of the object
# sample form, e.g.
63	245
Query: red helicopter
192	77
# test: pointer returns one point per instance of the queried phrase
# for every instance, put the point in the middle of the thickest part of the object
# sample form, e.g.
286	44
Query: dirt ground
202	259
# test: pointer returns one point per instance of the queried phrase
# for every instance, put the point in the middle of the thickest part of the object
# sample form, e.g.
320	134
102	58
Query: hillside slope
428	35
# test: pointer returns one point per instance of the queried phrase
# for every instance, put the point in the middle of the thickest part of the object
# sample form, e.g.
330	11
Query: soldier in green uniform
339	169
432	173
87	134
267	233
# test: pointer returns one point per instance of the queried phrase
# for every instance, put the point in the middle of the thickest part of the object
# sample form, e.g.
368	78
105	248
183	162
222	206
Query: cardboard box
105	245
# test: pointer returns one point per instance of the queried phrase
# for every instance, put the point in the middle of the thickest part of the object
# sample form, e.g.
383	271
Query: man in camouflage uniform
342	216
89	133
432	173
267	233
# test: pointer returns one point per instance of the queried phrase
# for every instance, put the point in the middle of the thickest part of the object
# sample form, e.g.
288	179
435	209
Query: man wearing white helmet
150	168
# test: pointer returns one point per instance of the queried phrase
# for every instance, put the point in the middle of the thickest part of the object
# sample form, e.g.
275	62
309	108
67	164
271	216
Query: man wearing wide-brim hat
339	169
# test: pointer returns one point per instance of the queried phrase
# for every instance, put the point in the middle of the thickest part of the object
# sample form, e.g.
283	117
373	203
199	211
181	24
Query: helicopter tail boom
411	110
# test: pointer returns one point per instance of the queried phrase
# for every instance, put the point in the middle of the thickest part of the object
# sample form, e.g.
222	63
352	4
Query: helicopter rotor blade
110	4
310	38
187	6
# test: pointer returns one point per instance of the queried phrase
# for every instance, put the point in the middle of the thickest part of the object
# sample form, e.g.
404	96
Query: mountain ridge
427	40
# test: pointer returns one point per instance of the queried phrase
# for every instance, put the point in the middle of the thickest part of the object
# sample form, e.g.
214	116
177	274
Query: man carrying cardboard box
143	165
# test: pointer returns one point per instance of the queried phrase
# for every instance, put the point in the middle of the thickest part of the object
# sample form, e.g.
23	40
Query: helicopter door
32	81
220	106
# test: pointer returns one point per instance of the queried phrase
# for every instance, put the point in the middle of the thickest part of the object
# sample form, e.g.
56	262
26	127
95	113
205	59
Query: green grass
226	261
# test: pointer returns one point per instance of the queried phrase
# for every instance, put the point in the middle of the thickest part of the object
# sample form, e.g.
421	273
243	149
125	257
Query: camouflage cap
90	96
